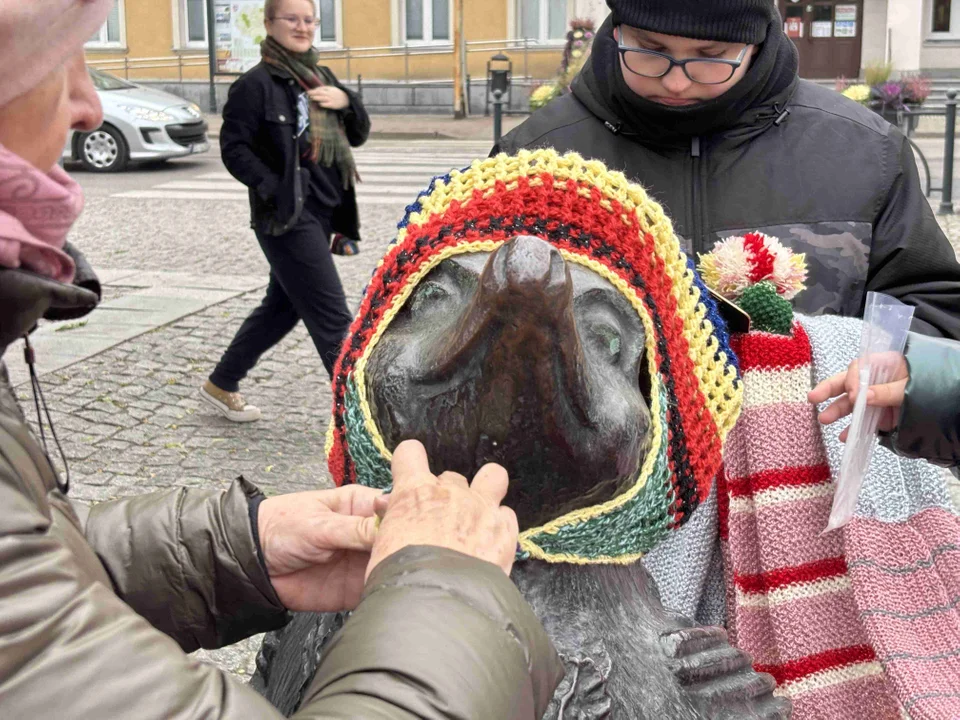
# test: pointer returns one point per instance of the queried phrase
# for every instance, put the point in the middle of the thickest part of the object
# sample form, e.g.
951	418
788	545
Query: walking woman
288	126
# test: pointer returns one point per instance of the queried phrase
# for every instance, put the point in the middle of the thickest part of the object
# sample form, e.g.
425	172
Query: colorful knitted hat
595	218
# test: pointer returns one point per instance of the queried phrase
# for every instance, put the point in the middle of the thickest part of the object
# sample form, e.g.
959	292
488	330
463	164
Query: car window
103	81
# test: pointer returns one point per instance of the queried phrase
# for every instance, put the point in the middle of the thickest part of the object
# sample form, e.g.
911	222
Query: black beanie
736	21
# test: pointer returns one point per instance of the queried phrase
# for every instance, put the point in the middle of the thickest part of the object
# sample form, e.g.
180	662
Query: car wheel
103	150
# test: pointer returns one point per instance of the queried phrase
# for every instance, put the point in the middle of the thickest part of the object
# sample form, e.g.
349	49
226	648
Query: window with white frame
426	21
542	20
111	32
945	18
193	23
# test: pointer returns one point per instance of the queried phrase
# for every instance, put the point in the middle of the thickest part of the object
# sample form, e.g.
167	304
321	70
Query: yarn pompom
768	310
738	262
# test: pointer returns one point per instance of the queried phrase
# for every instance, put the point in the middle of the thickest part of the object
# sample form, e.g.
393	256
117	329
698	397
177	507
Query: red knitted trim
765	351
762	258
782	577
803	667
612	241
781	477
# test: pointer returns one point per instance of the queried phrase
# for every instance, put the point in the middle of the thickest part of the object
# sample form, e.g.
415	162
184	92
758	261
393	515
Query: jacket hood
758	99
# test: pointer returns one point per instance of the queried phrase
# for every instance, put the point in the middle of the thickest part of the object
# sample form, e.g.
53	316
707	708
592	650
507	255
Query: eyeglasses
653	64
294	21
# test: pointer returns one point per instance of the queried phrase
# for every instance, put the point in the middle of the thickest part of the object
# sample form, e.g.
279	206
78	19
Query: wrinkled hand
316	546
845	387
329	97
445	511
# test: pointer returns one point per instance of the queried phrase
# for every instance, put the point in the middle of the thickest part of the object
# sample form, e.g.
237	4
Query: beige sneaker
229	404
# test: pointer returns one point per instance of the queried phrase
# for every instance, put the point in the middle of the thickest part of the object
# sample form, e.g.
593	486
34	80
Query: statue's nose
526	265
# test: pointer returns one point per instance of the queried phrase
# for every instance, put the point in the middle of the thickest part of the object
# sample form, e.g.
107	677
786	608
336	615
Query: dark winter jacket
260	148
929	425
98	605
826	176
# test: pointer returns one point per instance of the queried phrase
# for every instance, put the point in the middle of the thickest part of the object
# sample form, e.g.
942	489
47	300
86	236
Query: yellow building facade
380	40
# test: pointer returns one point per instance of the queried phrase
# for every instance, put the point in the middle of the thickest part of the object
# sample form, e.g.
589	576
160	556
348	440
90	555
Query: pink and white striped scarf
861	622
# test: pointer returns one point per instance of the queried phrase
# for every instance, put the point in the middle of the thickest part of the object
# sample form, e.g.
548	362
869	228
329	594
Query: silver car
138	124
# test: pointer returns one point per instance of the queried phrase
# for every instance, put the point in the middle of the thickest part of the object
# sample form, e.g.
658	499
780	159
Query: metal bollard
497	116
946	193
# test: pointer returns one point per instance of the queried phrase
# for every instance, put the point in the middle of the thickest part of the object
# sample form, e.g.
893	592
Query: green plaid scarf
328	139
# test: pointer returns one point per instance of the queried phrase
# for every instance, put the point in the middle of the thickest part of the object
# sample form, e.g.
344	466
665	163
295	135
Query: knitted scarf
328	138
859	622
37	210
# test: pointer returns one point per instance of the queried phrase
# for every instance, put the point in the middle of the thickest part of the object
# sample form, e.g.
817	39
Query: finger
454	479
350	499
845	434
381	504
410	466
889	395
349	532
829	388
509	519
491	482
841	407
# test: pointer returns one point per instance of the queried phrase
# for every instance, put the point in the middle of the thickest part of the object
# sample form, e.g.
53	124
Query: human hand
845	387
316	546
445	511
329	97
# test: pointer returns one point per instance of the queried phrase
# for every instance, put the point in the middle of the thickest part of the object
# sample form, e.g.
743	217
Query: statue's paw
718	678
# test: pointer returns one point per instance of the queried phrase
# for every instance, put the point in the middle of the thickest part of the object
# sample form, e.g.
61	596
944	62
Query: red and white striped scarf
860	622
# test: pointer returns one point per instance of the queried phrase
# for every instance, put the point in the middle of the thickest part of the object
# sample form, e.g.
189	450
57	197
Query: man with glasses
699	101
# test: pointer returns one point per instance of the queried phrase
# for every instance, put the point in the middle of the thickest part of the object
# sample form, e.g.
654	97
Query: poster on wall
793	27
845	13
239	34
844	29
821	29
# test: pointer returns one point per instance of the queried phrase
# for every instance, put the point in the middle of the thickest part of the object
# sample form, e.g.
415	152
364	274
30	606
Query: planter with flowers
895	100
575	53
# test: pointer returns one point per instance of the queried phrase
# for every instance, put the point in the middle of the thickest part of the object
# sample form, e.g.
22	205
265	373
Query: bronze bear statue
520	357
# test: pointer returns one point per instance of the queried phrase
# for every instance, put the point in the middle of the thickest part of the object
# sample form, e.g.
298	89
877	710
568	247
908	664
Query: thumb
350	532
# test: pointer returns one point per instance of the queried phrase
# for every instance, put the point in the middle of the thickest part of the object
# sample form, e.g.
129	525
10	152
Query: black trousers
304	285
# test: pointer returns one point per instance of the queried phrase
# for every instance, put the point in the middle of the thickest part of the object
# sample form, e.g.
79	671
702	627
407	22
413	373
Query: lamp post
499	79
212	52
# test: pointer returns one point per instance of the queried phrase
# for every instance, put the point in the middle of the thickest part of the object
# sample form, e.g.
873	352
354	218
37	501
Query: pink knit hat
38	35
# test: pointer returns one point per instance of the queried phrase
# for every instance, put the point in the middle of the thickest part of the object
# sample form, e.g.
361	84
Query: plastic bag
886	322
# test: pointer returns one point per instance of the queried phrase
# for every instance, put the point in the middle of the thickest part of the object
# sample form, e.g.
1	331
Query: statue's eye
429	293
607	340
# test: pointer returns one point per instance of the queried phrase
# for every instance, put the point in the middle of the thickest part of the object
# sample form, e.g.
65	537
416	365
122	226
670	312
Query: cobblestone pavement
130	419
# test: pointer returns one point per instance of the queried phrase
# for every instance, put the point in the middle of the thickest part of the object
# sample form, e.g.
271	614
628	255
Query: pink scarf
37	210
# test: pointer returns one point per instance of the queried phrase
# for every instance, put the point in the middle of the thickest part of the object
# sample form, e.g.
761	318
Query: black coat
830	179
260	149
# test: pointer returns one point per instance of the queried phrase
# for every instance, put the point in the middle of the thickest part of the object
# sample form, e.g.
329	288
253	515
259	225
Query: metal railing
348	55
906	119
126	64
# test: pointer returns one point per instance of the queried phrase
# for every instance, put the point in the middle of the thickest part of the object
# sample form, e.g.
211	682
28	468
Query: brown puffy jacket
99	605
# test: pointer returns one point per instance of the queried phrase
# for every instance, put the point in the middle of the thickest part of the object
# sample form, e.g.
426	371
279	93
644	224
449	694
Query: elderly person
99	605
288	126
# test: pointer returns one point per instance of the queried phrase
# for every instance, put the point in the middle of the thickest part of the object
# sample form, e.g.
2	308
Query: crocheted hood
595	218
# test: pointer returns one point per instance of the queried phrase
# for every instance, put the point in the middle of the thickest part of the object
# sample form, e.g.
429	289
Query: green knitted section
637	526
372	468
768	311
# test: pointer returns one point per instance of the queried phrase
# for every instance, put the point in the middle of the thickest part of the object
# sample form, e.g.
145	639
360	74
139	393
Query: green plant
877	73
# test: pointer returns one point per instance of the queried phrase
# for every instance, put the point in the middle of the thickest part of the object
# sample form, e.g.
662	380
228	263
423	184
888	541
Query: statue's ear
737	319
